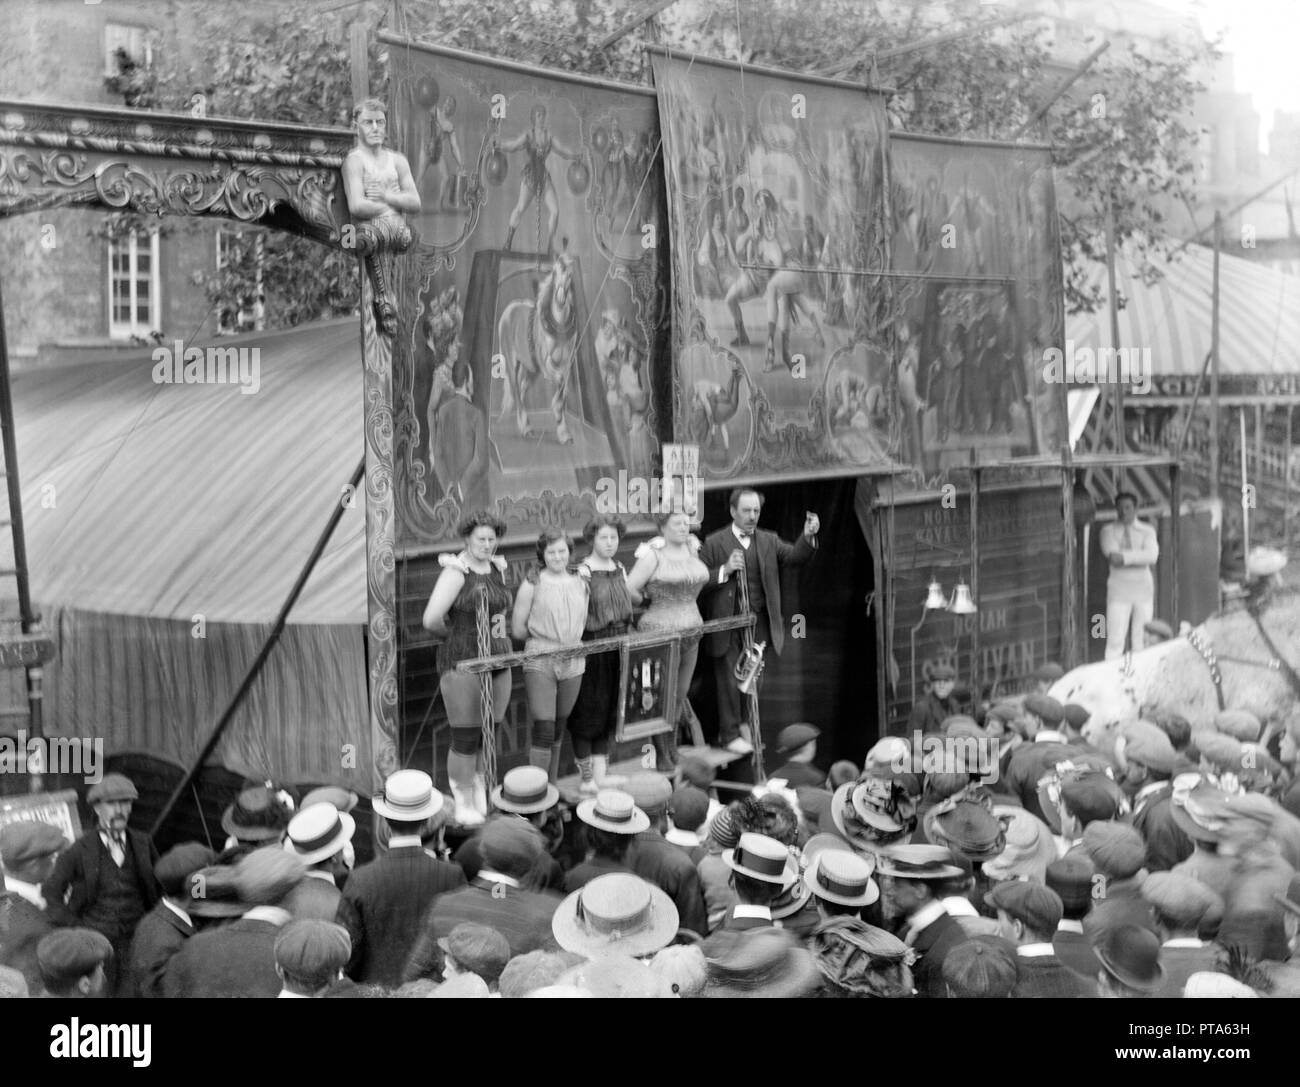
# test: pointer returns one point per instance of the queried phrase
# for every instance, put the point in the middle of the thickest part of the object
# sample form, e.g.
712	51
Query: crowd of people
1150	859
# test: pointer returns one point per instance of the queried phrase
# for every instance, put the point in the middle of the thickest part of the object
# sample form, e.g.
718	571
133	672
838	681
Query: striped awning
172	501
1259	326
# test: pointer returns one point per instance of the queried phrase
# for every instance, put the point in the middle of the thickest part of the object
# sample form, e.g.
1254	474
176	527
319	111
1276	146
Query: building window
132	40
133	285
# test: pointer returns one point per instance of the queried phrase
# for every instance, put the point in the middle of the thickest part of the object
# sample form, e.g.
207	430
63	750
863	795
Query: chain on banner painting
525	378
777	189
979	301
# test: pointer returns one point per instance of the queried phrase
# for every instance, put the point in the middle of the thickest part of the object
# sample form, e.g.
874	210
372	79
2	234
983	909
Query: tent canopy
176	500
1259	327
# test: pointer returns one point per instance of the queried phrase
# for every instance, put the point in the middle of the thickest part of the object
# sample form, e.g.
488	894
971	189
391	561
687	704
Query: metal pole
1070	606
1069	82
1214	362
1287	507
255	669
1245	501
1175	539
1120	440
976	672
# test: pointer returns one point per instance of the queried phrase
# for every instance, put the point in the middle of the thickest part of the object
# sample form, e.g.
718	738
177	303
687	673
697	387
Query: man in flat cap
74	962
1073	879
797	744
310	955
238	959
1183	908
984	968
27	849
162	932
937	703
105	879
911	878
1029	915
1147	759
656	860
1048	748
513	854
1131	548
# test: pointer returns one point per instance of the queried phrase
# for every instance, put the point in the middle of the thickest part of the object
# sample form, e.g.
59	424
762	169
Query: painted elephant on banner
1175	676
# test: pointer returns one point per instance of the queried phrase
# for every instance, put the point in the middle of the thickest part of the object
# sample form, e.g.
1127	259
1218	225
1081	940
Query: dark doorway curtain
826	673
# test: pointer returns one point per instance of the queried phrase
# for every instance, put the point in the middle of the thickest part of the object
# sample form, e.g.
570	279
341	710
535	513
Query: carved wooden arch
280	176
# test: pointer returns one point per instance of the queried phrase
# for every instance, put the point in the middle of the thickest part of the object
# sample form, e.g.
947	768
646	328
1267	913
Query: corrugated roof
176	500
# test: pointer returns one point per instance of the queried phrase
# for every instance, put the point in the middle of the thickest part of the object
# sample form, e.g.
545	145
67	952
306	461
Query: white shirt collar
497	877
178	911
957	906
1050	736
926	916
316	873
1034	951
745	541
271	914
744	909
1148	790
286	995
23	889
1067	925
400	841
1184	941
687	838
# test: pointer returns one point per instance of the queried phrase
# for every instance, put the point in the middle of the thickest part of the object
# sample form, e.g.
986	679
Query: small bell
935	601
962	604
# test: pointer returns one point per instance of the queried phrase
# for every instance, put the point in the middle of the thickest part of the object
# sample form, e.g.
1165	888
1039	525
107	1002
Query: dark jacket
237	960
314	898
158	937
582	874
1166	842
1047	976
522	917
470	858
719	601
383	906
932	945
21	927
76	876
1181	963
800	773
657	860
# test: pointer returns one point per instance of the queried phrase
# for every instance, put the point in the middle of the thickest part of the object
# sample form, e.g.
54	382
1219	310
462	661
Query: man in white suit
1131	548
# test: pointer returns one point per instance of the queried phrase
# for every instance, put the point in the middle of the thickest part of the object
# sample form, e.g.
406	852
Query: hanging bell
962	604
936	600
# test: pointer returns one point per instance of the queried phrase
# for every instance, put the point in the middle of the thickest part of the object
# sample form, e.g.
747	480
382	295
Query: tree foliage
1131	151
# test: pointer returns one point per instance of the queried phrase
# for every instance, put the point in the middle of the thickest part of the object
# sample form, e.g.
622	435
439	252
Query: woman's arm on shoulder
444	594
523	608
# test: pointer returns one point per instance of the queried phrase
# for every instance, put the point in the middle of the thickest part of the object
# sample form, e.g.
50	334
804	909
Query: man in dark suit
910	879
238	960
385	901
319	836
162	931
27	849
742	549
1183	907
1029	914
105	881
657	860
797	744
512	852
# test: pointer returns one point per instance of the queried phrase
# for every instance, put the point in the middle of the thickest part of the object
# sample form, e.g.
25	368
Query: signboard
57	809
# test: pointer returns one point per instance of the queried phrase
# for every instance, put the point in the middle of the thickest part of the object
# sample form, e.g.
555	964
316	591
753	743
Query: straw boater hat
318	832
760	857
841	876
525	790
919	862
618	913
614	811
341	798
409	797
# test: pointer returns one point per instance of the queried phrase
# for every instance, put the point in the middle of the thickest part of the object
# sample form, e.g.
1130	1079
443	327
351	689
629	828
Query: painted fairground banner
977	286
777	188
525	380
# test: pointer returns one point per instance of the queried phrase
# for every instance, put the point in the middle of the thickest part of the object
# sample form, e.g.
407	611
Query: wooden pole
1245	501
359	41
1069	603
1069	82
1287	506
1175	540
1214	361
1120	445
975	670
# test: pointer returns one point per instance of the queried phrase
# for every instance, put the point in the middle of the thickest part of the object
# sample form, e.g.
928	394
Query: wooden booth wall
534	297
1019	591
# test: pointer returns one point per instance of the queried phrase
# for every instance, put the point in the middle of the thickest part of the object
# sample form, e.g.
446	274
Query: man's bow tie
744	535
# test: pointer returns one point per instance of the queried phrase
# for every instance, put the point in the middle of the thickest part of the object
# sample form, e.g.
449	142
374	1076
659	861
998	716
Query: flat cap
311	950
649	791
67	954
1186	901
478	949
509	845
264	876
1045	707
176	865
1239	724
1220	750
1091	797
1071	878
1036	906
29	840
943	671
1116	849
984	966
1149	745
1048	672
793	737
113	787
1075	716
961	724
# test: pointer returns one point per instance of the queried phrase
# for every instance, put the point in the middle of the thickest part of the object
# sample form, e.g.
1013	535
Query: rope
756	731
485	694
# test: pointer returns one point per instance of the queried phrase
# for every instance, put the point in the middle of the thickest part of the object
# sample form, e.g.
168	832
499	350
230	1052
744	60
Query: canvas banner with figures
525	380
977	301
777	201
